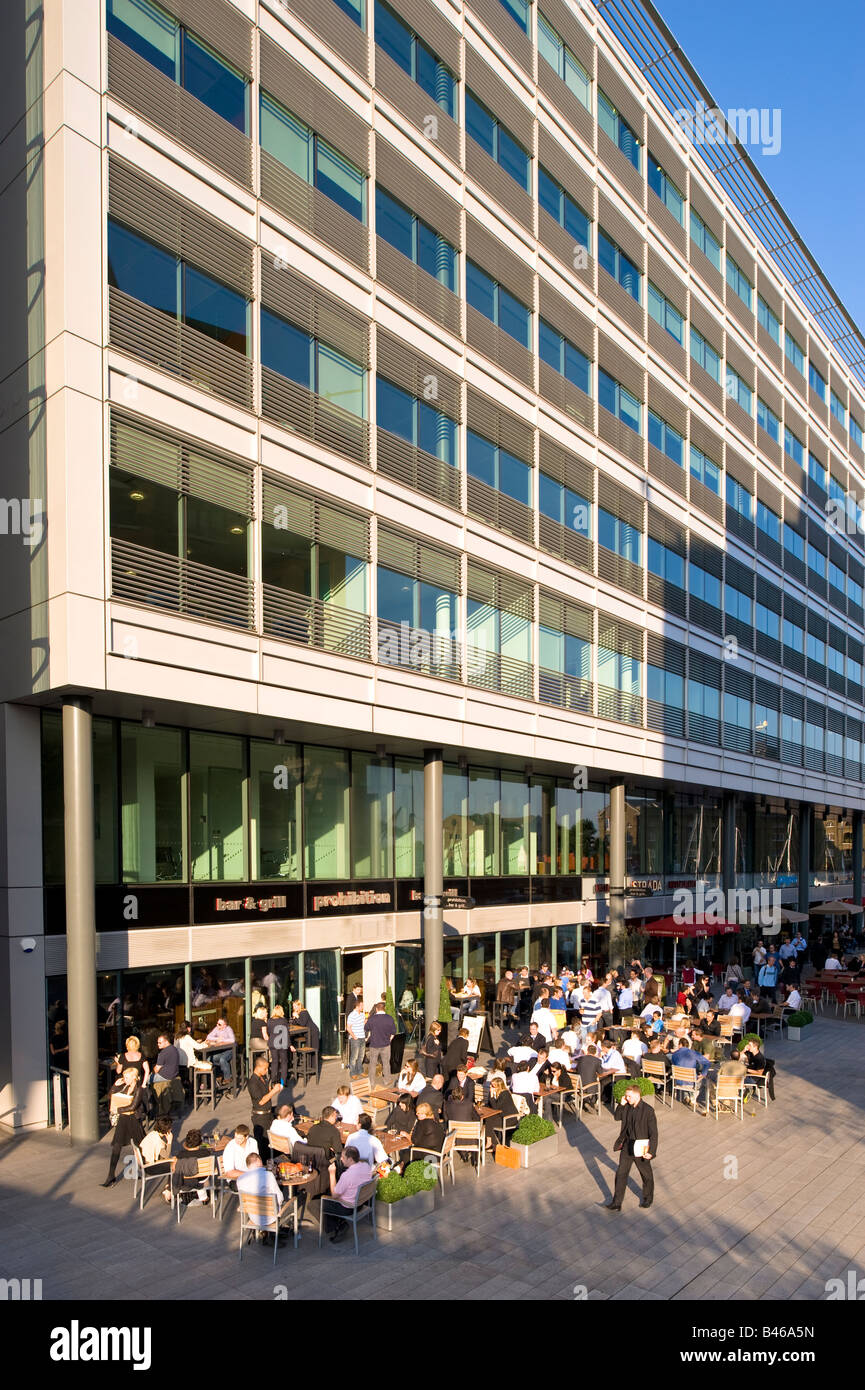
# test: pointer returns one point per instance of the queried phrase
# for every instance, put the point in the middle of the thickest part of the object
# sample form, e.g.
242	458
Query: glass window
768	420
286	349
153	805
855	431
739	498
499	144
514	824
767	621
794	636
216	536
838	408
704	586
816	381
512	950
618	536
665	563
738	281
519	11
275	788
816	562
142	270
564	357
483	825
393	36
795	353
325	813
287	138
664	188
408	818
340	381
665	438
371	816
793	542
613	397
561	206
737	604
705	241
214	82
340	180
144	512
616	127
214	309
217	831
705	470
354	10
738	391
415	239
768	320
614	261
148	30
665	313
563	62
817	472
705	356
794	447
454	822
768	522
498	468
497	304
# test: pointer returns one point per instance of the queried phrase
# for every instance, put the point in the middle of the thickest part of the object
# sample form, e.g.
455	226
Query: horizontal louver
174	461
419	375
427	20
399	550
222	25
499	426
499	98
321	315
293	85
338	31
404	181
315	518
309	208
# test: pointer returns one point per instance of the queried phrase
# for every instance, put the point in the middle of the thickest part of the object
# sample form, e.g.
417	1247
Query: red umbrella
697	925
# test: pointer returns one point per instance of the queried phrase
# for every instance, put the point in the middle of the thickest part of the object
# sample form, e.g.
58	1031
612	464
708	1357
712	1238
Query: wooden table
553	1093
387	1094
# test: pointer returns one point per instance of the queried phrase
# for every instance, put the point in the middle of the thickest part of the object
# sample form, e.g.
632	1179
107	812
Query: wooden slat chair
206	1169
657	1073
361	1088
729	1091
684	1081
443	1161
583	1092
259	1213
777	1020
469	1138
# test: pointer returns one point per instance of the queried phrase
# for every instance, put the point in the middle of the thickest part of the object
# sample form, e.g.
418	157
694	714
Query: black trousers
644	1168
279	1070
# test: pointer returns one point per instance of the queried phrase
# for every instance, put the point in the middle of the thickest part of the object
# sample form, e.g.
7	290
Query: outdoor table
393	1143
553	1094
386	1093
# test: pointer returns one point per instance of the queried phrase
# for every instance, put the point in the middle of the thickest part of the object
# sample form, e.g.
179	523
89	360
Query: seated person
433	1095
348	1106
185	1181
356	1174
525	1083
324	1133
541	1068
156	1146
237	1151
710	1023
283	1126
465	1082
633	1048
411	1080
501	1098
685	1056
612	1060
740	1011
589	1066
401	1119
657	1053
369	1146
536	1038
258	1181
558	1052
756	1060
428	1132
523	1053
560	1077
459	1107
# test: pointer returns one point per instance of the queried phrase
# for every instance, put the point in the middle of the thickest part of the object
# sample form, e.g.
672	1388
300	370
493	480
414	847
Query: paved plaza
770	1207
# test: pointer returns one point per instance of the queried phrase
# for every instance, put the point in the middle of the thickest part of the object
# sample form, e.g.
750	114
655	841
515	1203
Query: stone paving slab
792	1217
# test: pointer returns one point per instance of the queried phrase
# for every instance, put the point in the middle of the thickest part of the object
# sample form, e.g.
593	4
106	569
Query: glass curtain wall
326	803
455	806
408	818
275	794
218	792
153	805
371	816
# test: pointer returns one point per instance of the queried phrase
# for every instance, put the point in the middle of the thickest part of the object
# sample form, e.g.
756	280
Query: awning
837	908
694	926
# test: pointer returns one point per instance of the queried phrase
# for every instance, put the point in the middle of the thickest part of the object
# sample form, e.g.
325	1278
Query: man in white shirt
524	1082
260	1182
649	1011
369	1147
350	1107
741	1011
354	1027
237	1151
726	1001
604	998
283	1126
794	998
614	1061
832	963
570	1039
634	1048
559	1054
758	956
546	1021
522	1054
626	999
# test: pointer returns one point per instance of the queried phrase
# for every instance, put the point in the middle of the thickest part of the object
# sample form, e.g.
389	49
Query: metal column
728	844
857	857
804	856
80	919
433	922
617	951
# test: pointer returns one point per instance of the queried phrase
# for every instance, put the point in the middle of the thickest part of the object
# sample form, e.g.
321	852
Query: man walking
379	1030
637	1143
354	1027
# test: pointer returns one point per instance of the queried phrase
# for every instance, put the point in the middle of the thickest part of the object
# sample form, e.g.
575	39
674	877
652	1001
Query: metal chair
469	1139
443	1161
852	1000
206	1169
143	1176
254	1207
506	1124
222	1187
584	1092
777	1021
657	1073
758	1081
364	1207
729	1091
203	1086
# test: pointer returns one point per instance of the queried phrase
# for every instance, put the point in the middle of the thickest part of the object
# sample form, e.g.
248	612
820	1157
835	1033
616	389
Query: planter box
797	1034
530	1154
392	1216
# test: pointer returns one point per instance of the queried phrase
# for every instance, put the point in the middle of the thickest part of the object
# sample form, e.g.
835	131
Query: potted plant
404	1197
647	1088
798	1021
749	1038
444	1012
534	1140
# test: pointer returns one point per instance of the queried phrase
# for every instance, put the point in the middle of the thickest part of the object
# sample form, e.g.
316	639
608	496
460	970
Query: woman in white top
350	1107
410	1081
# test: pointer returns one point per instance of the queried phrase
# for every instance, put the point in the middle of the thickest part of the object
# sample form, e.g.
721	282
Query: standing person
768	976
637	1143
258	1029
127	1113
279	1042
354	1027
430	1051
379	1030
303	1018
506	992
758	959
133	1057
261	1096
455	1057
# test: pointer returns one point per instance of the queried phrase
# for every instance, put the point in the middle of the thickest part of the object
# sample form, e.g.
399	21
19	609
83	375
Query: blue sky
807	60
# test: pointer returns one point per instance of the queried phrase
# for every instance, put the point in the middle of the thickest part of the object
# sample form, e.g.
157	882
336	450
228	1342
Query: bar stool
203	1087
500	1012
307	1063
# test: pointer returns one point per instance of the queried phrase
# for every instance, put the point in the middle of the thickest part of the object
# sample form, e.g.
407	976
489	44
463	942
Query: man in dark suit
325	1135
639	1127
433	1095
456	1055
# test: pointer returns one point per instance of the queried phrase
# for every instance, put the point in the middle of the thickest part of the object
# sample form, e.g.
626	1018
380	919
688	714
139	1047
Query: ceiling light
136	496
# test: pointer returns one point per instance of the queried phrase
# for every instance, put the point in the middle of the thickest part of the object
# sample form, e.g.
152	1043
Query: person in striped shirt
590	1012
354	1026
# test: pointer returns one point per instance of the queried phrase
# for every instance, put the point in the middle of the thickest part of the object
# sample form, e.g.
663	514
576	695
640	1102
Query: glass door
321	989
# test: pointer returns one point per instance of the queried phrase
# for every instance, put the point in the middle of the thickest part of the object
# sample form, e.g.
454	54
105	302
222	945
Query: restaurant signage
644	887
346	899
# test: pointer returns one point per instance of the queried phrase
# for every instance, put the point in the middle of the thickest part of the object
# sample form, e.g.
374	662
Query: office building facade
435	520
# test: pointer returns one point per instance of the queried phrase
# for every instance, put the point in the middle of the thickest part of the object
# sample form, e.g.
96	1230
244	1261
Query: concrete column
728	843
617	947
433	921
80	919
857	857
804	856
